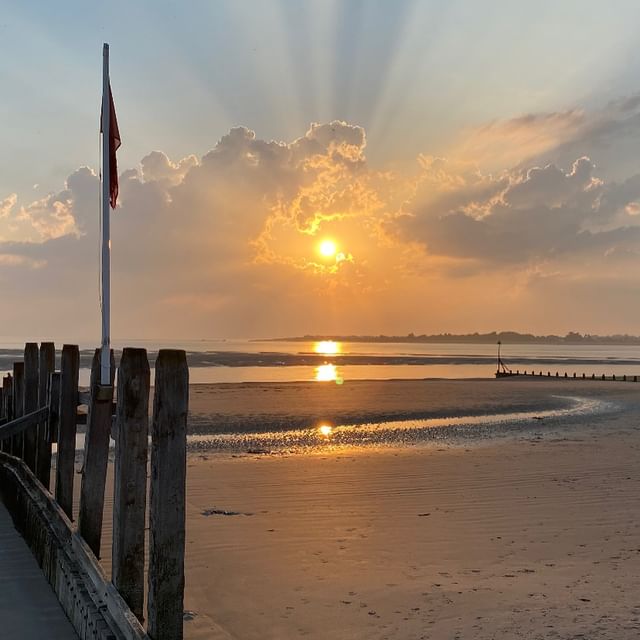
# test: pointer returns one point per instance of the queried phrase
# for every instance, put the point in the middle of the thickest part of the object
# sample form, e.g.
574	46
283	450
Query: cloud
525	217
508	143
227	243
609	134
156	167
6	205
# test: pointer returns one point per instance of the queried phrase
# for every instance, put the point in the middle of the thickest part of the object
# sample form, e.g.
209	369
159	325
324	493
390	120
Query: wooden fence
539	374
39	407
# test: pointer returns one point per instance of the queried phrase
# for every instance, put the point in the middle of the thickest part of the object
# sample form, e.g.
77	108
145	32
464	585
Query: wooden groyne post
69	374
46	366
30	402
167	496
39	406
565	375
96	456
130	490
17	442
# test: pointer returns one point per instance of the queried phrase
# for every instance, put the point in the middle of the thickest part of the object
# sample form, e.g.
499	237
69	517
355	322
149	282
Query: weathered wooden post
30	401
7	407
53	422
96	457
46	367
167	496
130	489
53	402
17	441
69	373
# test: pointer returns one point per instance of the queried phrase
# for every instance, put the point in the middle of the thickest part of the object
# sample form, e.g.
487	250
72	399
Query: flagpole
105	355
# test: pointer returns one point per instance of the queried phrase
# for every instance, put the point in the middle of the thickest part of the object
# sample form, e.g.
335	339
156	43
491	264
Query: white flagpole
105	356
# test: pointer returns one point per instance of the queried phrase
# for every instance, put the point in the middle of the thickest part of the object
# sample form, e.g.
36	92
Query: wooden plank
96	457
30	402
47	364
128	624
130	488
92	603
17	442
167	496
69	373
23	423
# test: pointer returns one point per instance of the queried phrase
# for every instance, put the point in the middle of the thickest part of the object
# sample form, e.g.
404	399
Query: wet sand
242	407
531	536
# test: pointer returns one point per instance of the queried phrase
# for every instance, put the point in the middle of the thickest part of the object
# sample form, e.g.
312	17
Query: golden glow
327	347
325	430
328	373
328	248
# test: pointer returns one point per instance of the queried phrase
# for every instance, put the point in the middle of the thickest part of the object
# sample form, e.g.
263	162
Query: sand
530	534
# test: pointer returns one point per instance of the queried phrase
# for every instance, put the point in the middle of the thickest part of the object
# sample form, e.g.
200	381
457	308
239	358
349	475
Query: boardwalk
28	606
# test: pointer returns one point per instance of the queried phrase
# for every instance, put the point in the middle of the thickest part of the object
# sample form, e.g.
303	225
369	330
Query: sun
328	248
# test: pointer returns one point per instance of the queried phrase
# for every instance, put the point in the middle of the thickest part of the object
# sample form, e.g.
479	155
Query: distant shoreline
507	337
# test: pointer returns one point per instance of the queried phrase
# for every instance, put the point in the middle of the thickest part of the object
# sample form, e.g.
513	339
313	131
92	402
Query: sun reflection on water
328	373
327	347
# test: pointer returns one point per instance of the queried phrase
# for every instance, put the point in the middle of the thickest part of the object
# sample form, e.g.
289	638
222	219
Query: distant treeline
507	337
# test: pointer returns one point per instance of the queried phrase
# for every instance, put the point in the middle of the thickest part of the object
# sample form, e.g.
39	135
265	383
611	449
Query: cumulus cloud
226	244
7	205
526	217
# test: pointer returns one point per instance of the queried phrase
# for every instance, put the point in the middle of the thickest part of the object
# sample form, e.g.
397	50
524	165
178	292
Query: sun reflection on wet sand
328	373
468	429
325	430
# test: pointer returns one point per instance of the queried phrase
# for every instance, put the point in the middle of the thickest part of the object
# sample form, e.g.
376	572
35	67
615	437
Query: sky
476	166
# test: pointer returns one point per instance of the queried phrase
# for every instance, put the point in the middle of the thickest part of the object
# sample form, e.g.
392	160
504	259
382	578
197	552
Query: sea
244	360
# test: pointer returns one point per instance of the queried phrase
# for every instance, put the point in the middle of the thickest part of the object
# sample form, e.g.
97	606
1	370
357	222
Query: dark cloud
531	216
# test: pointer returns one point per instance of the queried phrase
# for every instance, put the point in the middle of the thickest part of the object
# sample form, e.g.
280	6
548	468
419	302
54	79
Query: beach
524	531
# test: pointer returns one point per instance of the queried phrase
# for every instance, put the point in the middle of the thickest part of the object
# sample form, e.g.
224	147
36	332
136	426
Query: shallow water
233	361
324	436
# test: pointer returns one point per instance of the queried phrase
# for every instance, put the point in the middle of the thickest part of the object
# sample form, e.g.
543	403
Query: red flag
114	145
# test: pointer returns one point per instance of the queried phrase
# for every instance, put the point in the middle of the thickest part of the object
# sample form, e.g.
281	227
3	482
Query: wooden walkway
29	608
